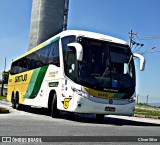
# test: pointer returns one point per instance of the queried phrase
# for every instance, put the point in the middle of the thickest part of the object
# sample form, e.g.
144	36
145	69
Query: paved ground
36	122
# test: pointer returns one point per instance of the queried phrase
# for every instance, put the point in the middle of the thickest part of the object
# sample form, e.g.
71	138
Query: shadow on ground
87	118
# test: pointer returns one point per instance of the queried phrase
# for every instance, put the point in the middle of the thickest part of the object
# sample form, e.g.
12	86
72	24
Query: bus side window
23	64
32	64
54	54
71	64
39	64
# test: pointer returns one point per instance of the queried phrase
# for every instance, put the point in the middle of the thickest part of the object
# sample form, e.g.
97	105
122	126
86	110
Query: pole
137	98
66	7
2	87
147	99
130	39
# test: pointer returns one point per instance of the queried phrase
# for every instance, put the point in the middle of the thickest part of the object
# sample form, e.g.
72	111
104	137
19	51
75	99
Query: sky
110	17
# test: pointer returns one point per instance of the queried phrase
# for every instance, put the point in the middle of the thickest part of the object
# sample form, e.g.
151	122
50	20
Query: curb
146	116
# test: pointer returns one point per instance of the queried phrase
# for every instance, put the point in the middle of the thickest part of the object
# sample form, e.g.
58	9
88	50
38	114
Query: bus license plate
110	109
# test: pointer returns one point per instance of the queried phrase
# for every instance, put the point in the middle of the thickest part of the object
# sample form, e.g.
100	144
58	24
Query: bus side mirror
142	61
79	50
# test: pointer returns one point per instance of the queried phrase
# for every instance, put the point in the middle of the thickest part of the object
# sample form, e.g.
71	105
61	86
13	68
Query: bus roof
76	33
93	35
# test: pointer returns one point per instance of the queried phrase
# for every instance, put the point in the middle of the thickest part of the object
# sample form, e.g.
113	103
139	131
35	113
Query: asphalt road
36	122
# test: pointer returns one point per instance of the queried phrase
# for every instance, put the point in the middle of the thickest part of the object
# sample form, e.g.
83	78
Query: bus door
69	83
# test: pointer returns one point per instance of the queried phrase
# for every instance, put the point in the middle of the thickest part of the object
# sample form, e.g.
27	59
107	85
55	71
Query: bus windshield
106	65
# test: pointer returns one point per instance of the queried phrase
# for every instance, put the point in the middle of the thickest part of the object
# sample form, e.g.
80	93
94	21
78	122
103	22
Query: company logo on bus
66	103
21	78
52	74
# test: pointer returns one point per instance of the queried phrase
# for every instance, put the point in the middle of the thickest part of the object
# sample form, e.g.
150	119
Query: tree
4	80
5	77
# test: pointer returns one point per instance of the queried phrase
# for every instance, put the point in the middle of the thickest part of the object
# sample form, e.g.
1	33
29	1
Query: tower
48	18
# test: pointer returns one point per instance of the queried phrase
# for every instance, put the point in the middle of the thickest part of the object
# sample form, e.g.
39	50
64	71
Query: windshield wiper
108	67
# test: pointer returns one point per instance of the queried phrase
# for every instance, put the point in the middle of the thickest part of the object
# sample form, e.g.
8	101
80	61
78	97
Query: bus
76	71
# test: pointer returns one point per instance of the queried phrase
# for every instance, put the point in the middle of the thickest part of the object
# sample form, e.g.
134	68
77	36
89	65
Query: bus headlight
81	93
132	99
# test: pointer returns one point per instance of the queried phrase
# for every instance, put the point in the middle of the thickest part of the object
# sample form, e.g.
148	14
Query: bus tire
100	118
16	102
54	110
13	101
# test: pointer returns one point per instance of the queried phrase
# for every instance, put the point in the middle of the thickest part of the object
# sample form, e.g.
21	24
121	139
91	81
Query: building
48	18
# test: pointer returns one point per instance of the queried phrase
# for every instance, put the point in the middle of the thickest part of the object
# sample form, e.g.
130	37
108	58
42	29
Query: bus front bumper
84	105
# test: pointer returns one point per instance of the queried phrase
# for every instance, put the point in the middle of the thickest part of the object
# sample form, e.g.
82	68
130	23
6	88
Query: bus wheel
54	110
13	102
100	118
16	102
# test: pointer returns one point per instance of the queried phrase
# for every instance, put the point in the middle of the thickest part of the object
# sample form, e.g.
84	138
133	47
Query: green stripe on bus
51	41
35	82
118	95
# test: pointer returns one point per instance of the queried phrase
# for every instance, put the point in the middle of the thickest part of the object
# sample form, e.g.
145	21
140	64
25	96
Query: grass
147	112
4	98
4	85
146	105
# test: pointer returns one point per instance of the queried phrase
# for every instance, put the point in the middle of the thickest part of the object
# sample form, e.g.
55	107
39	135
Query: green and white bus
76	71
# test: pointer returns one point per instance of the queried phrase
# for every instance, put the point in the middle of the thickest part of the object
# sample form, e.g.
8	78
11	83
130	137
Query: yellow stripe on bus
19	83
